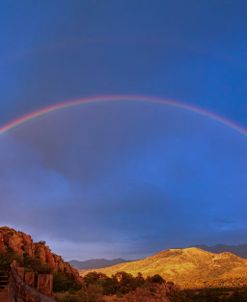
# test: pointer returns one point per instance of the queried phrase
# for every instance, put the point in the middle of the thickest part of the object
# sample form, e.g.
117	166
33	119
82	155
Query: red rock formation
45	284
23	245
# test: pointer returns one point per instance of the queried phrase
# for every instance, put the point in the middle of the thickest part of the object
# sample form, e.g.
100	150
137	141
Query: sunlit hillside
189	268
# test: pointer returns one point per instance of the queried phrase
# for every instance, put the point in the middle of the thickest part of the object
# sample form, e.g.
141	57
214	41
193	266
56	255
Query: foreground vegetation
122	287
217	294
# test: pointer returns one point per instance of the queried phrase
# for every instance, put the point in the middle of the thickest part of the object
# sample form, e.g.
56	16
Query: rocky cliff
22	245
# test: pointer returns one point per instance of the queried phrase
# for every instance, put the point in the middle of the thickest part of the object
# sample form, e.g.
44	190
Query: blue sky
124	179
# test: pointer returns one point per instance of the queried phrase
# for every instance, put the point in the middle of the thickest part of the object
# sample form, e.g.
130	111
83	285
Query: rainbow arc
117	98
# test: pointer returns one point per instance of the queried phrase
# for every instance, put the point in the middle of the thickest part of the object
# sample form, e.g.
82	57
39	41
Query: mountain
239	250
36	255
95	263
189	268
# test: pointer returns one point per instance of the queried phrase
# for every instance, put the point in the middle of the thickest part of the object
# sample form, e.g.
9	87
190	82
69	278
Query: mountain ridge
96	263
238	249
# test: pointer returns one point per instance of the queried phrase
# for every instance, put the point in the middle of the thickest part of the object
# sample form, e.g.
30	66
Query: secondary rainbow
117	98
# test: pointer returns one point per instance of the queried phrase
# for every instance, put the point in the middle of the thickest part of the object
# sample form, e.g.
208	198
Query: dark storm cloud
128	178
123	179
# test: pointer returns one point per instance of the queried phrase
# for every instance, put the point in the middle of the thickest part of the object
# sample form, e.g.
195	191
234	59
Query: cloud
121	180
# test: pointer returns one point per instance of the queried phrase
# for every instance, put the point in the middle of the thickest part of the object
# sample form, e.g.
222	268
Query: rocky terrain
18	244
189	268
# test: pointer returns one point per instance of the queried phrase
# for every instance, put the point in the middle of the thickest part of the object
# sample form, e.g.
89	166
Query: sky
124	179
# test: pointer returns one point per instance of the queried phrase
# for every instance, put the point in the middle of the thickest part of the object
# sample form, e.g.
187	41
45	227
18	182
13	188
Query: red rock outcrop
23	245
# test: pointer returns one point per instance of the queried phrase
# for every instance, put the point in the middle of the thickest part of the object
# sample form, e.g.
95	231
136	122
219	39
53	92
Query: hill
95	263
189	268
239	250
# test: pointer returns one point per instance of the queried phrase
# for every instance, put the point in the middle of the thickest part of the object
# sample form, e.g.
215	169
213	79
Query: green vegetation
122	286
63	282
120	283
35	265
6	258
30	264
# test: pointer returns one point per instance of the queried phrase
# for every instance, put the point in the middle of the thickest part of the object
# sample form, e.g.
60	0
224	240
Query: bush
35	265
156	279
6	258
121	287
67	297
62	282
92	294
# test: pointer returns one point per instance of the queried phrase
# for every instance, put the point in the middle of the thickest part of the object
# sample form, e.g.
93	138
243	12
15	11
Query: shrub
6	258
156	279
62	282
35	265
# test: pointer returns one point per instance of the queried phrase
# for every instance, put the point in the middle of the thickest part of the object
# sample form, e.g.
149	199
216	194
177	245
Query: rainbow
117	98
